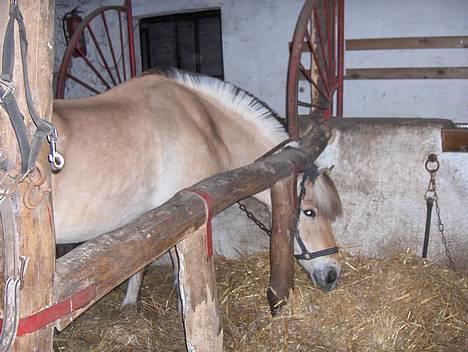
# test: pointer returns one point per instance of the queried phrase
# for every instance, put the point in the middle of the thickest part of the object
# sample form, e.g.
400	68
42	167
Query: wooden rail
408	73
109	259
452	42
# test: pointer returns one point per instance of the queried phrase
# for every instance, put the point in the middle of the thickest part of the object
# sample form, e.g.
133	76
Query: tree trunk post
197	288
35	226
283	200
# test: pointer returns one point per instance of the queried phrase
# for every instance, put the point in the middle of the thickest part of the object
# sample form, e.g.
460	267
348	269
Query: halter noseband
312	173
306	255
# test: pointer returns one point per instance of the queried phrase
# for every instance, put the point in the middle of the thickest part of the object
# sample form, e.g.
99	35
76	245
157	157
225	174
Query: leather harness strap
29	151
208	201
59	310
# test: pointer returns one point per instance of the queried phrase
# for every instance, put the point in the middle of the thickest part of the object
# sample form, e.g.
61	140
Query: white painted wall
255	48
380	174
255	40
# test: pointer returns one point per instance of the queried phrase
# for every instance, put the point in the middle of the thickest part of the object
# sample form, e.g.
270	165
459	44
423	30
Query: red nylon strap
59	310
206	197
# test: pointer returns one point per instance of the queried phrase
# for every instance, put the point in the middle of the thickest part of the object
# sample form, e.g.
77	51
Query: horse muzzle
327	277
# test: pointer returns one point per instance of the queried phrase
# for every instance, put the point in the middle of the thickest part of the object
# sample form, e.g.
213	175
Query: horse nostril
331	276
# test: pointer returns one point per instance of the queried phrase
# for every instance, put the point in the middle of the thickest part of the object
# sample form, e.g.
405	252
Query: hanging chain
252	217
432	165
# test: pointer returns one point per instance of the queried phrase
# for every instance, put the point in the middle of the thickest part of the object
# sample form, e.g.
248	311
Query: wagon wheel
107	60
315	72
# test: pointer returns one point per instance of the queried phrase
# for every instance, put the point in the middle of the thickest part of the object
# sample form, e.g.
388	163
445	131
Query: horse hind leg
133	290
134	284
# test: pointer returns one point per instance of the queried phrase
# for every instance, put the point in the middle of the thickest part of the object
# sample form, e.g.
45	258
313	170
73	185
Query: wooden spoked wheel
109	57
315	72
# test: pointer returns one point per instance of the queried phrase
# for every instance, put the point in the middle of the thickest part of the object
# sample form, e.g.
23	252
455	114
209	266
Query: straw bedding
400	303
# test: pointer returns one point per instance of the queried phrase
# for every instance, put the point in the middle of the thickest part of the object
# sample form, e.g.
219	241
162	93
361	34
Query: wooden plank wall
452	42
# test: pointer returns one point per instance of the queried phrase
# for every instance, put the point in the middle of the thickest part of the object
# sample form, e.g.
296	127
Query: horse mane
326	195
234	98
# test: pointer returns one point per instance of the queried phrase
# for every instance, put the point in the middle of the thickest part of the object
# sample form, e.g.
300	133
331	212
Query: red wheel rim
315	71
111	59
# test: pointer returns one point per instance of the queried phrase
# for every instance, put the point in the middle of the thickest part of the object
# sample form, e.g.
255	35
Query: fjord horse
133	147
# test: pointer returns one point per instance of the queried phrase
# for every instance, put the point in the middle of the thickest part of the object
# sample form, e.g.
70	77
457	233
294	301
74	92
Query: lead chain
432	190
252	217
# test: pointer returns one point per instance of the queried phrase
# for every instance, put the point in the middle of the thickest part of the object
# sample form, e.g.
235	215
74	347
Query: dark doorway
188	41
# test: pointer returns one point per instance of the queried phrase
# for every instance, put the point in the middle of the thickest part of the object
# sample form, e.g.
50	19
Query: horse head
314	245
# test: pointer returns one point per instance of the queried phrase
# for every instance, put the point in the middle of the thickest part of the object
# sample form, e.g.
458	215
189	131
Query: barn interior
392	87
391	125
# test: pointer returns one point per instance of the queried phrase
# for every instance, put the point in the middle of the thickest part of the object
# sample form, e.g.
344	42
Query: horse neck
249	143
247	138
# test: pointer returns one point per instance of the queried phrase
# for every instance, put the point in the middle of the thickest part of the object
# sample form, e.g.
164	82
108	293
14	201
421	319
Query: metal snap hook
57	161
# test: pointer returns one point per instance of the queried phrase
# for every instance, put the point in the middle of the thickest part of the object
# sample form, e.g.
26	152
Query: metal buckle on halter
10	89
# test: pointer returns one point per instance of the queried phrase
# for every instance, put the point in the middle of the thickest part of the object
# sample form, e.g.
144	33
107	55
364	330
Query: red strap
59	310
206	197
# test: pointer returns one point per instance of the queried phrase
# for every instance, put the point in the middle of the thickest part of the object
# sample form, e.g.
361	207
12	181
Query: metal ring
432	159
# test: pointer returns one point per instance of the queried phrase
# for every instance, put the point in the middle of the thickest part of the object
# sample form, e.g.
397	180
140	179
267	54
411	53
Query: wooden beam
408	73
34	225
455	140
201	313
452	42
108	260
283	200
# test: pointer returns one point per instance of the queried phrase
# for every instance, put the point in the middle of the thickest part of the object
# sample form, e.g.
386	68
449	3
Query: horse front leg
133	290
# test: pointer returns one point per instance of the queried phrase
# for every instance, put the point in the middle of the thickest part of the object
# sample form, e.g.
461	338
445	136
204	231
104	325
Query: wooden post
34	225
283	200
197	289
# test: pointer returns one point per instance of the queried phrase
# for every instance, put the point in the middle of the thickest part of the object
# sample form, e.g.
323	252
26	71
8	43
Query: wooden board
455	140
408	73
459	42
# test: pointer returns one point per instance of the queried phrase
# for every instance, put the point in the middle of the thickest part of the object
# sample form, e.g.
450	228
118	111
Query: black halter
310	173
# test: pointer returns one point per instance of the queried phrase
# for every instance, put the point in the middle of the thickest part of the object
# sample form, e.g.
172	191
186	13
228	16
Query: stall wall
381	176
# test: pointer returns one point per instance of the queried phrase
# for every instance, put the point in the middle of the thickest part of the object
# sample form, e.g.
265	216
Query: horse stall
41	293
402	182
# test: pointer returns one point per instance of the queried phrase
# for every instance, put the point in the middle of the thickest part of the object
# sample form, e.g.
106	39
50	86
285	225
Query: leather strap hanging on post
44	129
208	201
427	230
432	166
14	267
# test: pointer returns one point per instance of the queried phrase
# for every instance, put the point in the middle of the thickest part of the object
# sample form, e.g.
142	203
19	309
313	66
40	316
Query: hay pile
396	304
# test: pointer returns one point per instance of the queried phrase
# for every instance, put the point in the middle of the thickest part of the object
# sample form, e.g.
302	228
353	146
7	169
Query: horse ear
327	170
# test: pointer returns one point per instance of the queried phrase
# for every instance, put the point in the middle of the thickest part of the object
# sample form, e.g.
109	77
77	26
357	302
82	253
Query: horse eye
310	212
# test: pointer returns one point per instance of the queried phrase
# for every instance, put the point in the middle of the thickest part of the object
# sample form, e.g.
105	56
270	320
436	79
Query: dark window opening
188	41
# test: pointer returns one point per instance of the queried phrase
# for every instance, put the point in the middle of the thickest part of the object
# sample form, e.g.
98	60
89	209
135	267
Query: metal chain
432	193
252	217
440	224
